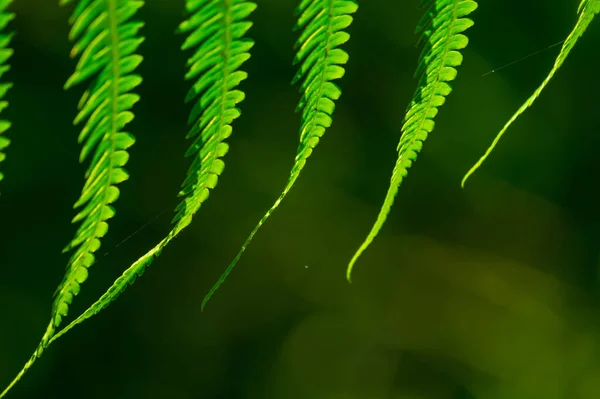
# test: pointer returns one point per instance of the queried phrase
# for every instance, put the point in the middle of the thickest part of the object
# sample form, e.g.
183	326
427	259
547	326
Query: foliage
106	41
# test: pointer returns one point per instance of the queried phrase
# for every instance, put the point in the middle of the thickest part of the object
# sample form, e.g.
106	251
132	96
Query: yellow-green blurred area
487	292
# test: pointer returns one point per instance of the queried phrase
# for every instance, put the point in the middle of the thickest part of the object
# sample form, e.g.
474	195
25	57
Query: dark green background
489	290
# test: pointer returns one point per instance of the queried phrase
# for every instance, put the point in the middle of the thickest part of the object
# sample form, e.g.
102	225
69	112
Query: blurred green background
488	292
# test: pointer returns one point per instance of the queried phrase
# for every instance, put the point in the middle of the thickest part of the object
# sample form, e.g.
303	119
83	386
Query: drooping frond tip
5	53
441	30
321	61
105	42
587	10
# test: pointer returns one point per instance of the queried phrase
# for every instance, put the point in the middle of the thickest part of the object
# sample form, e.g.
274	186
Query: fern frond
5	54
323	23
105	43
587	10
216	29
441	29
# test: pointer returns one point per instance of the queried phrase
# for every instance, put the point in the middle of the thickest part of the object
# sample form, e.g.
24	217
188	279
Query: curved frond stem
5	53
323	24
381	217
587	10
226	273
441	30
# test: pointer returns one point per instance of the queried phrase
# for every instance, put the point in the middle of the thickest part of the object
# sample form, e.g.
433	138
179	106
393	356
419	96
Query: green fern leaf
587	10
323	23
105	43
216	29
441	29
5	54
